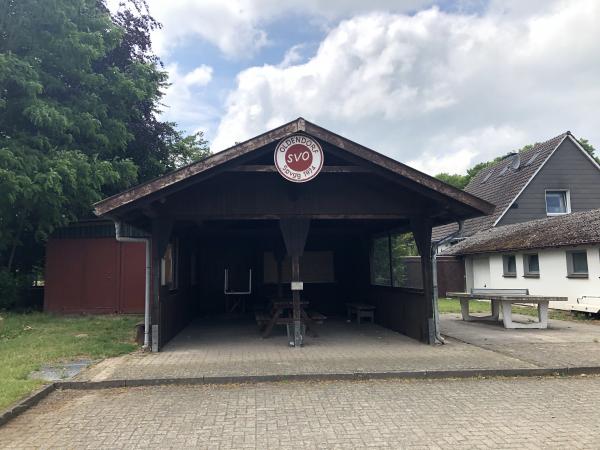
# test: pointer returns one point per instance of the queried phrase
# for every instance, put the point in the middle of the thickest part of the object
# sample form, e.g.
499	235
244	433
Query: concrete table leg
464	309
543	314
508	322
495	309
466	316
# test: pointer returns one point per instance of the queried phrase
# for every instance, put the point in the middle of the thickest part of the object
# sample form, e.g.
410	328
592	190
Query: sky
438	85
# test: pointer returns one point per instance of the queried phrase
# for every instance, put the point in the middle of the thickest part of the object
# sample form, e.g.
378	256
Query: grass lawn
28	341
451	305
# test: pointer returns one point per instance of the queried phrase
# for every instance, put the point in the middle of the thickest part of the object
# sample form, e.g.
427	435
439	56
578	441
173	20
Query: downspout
120	238
436	308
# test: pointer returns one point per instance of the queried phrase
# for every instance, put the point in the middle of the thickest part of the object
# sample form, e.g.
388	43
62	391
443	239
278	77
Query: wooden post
295	232
298	338
421	228
161	233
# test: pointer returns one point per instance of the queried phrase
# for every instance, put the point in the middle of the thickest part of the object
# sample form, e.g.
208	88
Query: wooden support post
161	233
295	232
298	338
421	228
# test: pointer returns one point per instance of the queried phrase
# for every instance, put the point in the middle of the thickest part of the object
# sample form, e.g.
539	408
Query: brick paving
468	413
236	349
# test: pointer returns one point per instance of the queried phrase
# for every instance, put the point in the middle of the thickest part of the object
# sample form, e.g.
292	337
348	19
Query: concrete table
505	302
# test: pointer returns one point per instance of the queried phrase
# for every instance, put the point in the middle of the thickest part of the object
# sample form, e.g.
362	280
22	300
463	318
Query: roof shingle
500	184
569	230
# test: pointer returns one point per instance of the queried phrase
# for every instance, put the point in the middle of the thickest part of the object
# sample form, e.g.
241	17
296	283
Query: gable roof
171	180
569	230
500	184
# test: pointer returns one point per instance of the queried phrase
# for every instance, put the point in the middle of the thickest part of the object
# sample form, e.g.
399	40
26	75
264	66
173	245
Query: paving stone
224	349
430	414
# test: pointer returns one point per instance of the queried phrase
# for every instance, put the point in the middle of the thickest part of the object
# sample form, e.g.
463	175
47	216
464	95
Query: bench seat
361	311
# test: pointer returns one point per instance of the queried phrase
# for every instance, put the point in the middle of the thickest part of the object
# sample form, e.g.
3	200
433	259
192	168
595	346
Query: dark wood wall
401	309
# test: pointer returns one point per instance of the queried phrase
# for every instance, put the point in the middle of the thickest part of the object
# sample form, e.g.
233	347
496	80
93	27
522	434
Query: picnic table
281	315
504	299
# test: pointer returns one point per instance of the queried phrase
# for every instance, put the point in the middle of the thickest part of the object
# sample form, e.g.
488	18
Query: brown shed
249	223
89	271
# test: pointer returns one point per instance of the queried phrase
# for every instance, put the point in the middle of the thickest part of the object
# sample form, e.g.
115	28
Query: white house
557	256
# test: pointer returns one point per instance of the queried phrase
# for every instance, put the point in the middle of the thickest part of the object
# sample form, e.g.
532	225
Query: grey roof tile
569	230
502	185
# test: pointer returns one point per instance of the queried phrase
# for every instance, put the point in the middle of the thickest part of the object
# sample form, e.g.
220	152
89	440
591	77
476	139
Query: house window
531	265
577	266
510	265
557	202
169	266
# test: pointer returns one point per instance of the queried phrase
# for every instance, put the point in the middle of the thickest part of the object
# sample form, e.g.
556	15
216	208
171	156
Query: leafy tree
457	180
590	149
79	95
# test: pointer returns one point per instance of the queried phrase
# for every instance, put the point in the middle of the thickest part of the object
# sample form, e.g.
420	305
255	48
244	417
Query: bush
12	287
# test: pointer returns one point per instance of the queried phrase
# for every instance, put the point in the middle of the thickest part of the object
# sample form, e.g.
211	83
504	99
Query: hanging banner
298	158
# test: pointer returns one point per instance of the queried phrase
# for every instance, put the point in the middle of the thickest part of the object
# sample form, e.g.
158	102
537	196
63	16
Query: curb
27	403
42	393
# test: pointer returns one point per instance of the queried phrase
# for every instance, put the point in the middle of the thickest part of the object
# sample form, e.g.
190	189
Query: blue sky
438	85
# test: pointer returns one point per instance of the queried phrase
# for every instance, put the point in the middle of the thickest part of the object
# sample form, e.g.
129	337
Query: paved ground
236	348
563	344
206	349
467	413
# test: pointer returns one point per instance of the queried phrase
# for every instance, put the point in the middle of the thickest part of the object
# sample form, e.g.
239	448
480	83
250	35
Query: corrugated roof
501	183
569	230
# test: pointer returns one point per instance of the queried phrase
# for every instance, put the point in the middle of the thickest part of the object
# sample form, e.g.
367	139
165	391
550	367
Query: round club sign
298	158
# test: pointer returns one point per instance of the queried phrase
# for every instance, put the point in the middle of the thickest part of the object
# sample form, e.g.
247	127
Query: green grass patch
451	305
28	341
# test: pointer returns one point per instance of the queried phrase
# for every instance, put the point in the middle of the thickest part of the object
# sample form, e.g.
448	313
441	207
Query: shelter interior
238	267
234	213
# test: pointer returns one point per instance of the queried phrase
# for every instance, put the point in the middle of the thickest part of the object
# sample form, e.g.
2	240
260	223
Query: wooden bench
504	299
361	311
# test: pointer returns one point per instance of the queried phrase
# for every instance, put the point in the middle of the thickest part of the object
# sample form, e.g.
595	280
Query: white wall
553	279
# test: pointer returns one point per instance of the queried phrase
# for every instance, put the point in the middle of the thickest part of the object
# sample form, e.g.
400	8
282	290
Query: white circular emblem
298	158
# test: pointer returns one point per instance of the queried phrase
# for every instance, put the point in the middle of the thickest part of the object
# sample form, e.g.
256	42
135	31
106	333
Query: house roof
569	230
501	183
169	182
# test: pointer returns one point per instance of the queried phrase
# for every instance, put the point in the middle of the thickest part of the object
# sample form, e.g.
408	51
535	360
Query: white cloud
239	27
200	76
437	90
179	102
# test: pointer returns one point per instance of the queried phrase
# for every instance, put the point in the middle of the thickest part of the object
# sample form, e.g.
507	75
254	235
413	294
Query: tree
456	180
589	148
80	93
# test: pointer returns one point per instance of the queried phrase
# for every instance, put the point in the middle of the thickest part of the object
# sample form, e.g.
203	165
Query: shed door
100	277
481	272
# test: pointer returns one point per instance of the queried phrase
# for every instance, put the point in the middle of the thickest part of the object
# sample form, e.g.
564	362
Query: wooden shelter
234	217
